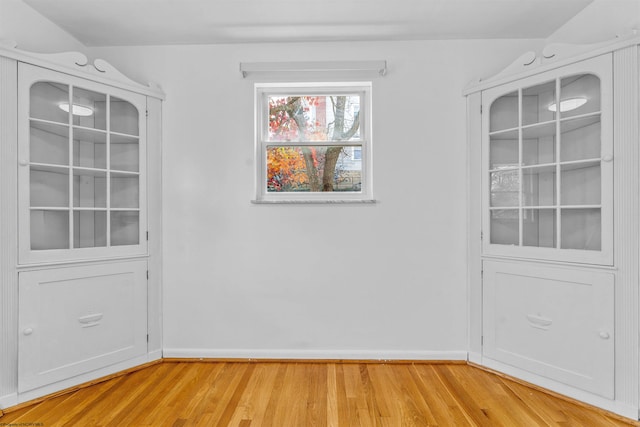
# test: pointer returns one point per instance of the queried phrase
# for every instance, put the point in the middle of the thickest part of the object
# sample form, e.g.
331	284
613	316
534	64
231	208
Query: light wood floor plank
283	394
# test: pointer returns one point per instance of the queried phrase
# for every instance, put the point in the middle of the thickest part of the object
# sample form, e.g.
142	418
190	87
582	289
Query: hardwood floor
308	394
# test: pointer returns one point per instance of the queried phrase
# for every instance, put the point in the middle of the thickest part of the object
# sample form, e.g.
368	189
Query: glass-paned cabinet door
82	164
548	165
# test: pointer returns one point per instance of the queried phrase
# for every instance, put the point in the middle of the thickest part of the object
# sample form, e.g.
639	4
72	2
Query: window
313	142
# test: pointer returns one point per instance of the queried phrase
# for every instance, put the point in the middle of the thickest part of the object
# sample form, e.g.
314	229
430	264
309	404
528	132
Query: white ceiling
159	22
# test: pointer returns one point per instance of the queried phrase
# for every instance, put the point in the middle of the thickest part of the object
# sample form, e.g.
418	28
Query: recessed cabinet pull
604	335
90	320
607	158
539	322
27	331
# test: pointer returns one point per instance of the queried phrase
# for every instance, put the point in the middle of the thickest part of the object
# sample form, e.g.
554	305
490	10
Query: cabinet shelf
54	128
88	130
51	168
123	135
512	132
48	208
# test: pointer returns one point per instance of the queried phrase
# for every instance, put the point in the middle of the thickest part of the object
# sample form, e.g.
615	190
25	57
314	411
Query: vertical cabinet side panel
474	227
8	237
627	212
154	170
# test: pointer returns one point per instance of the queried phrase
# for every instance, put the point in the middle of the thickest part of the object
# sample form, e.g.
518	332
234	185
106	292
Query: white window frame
262	93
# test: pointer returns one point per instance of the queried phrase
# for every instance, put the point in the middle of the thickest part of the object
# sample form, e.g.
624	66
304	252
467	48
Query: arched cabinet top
551	56
78	64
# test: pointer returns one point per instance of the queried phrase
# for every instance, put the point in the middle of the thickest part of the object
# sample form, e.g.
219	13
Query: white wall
32	31
381	280
600	21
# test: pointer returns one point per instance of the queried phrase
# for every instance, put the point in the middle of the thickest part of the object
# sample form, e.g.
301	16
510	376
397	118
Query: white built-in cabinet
80	222
553	234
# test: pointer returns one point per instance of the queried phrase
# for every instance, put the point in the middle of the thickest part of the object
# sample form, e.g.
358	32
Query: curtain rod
379	67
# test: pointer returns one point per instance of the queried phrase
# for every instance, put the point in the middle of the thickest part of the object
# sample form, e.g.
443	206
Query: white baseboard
475	358
617	407
80	379
382	355
8	400
154	355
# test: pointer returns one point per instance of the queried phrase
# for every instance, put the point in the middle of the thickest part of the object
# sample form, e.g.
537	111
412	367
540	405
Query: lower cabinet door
555	322
74	320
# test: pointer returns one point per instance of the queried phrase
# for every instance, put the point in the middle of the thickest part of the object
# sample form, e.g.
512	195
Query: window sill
313	202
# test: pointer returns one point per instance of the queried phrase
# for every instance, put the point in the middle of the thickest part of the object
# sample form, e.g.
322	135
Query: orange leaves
286	169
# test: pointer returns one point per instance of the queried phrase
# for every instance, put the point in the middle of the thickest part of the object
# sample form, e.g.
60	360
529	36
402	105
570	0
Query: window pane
49	186
89	109
580	184
89	148
580	138
504	113
125	190
539	144
314	118
579	95
539	228
539	186
314	168
89	229
125	153
46	101
581	229
124	117
503	150
504	227
537	102
49	143
505	188
89	189
49	229
125	228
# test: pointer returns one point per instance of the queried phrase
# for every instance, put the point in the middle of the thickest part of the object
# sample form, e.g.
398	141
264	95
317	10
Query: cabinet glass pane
125	153
125	191
539	186
581	229
579	94
49	143
504	113
90	109
46	99
580	138
89	229
49	186
536	101
89	189
124	117
580	184
504	226
125	228
505	188
539	144
539	228
503	150
89	148
49	229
